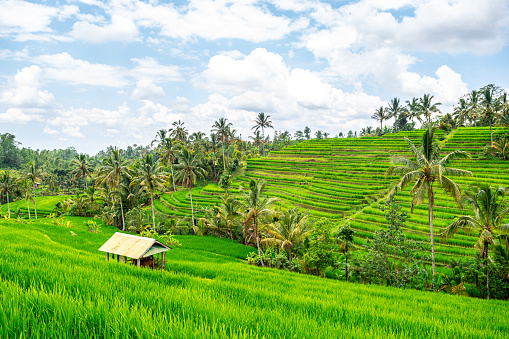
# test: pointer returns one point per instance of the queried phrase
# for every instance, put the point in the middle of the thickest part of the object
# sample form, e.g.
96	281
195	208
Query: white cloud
261	81
18	116
121	29
25	17
63	67
214	20
50	131
149	68
145	89
71	120
26	90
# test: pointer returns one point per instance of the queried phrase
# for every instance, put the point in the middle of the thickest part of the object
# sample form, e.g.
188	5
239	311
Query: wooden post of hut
141	250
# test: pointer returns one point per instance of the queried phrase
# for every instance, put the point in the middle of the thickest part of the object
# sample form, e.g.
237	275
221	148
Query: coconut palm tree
149	175
222	129
24	187
111	172
426	107
291	228
188	170
33	175
178	131
380	115
501	147
426	170
7	184
345	237
488	106
489	210
167	151
412	107
261	122
229	211
81	167
461	112
394	109
256	207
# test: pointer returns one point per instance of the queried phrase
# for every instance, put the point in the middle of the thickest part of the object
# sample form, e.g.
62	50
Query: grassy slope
54	284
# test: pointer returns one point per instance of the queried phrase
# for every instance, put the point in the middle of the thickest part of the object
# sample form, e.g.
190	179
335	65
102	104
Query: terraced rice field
343	179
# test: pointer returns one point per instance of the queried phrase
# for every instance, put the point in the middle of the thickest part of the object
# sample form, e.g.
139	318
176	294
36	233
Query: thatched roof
133	246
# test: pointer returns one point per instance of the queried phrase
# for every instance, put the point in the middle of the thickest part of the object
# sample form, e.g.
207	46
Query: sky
90	74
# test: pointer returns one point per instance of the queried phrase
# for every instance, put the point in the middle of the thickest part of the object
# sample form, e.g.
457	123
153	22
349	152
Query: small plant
92	226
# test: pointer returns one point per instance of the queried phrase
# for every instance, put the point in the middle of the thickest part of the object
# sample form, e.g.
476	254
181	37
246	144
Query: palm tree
256	206
7	184
33	175
489	211
222	129
461	112
188	170
167	153
488	103
394	109
473	105
24	187
81	167
427	169
291	228
149	176
111	172
257	139
261	122
229	211
345	236
501	147
380	115
412	108
178	131
426	107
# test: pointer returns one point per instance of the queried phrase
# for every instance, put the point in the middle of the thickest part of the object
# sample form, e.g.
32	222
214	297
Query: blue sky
95	73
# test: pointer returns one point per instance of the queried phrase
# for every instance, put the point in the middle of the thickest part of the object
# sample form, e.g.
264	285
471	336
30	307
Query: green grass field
54	284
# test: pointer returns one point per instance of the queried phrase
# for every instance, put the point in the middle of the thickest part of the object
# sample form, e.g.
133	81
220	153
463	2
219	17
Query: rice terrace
254	169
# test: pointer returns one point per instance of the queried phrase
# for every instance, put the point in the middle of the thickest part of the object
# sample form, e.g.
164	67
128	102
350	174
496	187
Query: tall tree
426	170
256	207
222	129
81	168
111	172
167	153
426	107
178	131
380	115
489	210
307	132
412	107
229	211
488	105
33	175
261	122
7	184
394	109
188	170
149	176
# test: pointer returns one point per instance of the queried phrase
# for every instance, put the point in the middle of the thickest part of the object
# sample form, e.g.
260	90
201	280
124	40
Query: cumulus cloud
145	89
63	67
261	81
26	90
19	116
149	68
72	120
120	29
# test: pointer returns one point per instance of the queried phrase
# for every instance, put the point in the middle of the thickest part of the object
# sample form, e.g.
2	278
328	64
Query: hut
141	250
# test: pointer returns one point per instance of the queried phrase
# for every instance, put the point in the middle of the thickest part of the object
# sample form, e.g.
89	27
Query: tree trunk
85	180
35	206
122	211
257	240
263	143
491	132
28	207
191	197
486	263
173	178
153	215
8	206
430	214
224	164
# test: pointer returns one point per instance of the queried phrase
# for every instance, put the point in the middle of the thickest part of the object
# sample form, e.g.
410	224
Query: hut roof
133	246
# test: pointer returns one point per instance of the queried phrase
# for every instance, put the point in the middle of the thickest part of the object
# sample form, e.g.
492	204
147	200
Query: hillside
56	284
343	179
